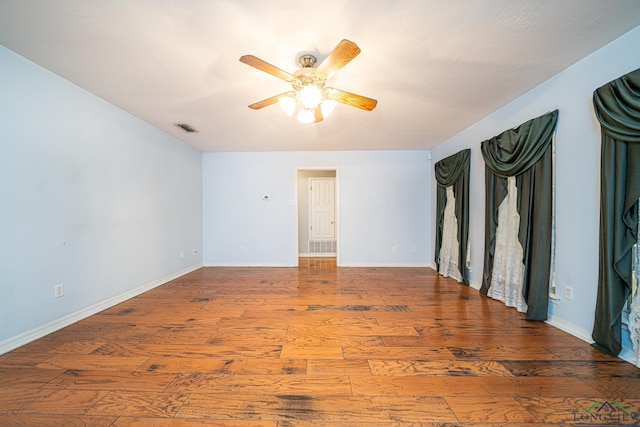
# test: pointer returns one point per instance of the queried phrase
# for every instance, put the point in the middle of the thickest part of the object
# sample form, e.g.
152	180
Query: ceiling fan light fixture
288	103
310	96
327	107
305	116
304	110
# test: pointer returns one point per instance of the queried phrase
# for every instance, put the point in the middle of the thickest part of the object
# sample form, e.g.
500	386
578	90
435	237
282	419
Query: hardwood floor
313	346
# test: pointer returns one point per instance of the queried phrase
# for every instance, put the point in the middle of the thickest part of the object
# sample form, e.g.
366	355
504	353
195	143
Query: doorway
317	213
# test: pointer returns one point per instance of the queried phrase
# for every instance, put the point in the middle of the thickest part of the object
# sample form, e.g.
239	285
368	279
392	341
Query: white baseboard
250	264
385	265
570	329
284	264
475	285
626	354
41	331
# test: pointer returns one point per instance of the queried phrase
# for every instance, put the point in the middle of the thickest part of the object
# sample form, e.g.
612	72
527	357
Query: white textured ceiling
435	66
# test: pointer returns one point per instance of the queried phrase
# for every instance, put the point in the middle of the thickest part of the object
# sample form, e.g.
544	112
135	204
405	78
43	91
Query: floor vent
324	247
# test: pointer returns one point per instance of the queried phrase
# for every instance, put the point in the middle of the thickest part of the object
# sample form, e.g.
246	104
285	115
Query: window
631	313
635	268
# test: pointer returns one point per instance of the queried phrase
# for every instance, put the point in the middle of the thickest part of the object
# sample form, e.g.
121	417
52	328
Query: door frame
336	170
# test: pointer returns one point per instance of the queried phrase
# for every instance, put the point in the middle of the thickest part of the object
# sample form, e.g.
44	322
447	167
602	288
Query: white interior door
322	209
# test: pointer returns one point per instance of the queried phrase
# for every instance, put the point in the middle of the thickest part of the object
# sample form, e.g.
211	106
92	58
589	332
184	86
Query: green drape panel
535	190
454	170
617	106
526	153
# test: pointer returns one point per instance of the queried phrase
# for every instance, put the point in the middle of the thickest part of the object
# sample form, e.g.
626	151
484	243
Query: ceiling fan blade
350	99
340	56
266	102
266	67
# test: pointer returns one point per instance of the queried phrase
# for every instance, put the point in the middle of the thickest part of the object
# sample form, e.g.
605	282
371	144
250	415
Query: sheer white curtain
634	311
449	251
507	276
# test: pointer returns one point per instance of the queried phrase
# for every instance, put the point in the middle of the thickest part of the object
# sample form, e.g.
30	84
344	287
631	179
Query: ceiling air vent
185	127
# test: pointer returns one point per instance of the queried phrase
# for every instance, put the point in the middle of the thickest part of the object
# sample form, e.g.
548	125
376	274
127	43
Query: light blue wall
383	201
578	172
90	197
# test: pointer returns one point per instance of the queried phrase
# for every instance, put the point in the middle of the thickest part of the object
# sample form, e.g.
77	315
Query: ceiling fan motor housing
307	61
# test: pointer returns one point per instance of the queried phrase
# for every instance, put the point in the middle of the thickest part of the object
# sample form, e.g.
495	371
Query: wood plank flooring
313	346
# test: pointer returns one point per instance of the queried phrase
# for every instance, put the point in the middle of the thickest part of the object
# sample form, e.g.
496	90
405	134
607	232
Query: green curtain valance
617	107
454	170
516	150
449	169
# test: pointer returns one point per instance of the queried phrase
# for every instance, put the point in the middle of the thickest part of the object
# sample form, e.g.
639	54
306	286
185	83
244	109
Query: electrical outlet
394	249
181	254
568	292
58	290
414	249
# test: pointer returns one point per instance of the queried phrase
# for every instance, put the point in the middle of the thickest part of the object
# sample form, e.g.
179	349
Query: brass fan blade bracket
317	115
340	56
266	67
350	99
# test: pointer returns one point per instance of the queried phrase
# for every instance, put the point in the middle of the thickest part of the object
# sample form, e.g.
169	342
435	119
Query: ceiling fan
311	101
